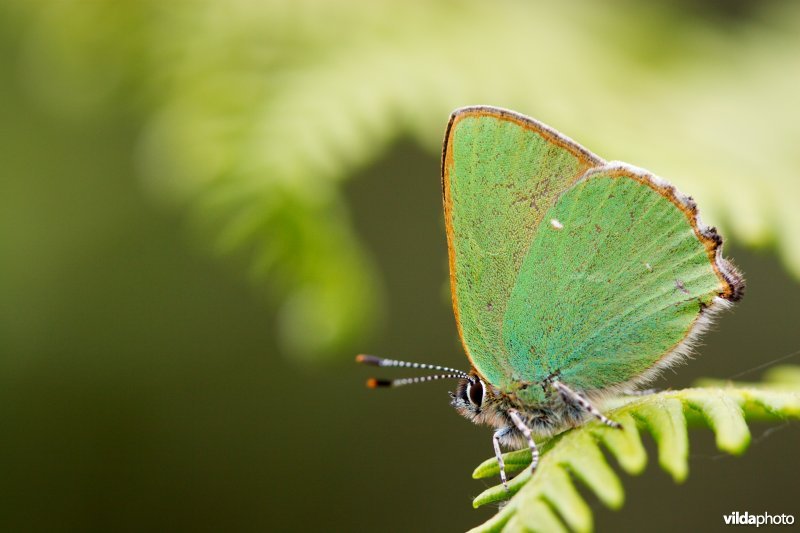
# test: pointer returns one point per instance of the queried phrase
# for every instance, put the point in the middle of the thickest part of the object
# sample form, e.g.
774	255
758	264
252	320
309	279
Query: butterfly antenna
373	383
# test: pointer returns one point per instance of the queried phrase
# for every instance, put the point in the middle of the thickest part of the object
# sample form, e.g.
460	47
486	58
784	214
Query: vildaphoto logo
764	519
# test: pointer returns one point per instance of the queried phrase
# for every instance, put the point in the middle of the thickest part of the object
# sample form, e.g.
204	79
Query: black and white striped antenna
373	383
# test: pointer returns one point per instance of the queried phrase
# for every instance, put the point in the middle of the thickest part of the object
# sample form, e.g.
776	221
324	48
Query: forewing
500	173
615	282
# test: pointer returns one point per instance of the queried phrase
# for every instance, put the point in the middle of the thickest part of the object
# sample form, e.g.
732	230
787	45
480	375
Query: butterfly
572	278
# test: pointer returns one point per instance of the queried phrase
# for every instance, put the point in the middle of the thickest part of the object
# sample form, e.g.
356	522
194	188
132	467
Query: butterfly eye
475	392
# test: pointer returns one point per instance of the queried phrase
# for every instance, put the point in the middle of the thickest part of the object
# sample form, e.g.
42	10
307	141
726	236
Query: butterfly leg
526	432
573	398
500	433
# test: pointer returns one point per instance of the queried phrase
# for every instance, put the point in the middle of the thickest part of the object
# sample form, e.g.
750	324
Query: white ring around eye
471	384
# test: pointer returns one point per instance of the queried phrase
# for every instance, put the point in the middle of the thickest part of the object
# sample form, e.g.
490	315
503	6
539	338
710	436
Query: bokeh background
207	208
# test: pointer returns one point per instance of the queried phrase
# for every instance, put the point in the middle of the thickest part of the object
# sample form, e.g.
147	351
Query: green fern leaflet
549	501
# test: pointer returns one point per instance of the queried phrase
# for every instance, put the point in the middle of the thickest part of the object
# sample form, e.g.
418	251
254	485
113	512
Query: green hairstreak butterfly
572	278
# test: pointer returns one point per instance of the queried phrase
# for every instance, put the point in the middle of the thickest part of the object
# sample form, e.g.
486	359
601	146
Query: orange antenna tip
369	360
373	383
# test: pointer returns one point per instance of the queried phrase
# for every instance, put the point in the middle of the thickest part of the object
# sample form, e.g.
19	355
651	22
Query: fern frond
253	113
549	500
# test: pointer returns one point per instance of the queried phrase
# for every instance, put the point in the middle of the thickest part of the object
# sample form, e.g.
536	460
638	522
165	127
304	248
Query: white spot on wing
556	224
648	267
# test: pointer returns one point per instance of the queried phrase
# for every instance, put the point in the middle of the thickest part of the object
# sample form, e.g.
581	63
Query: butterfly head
478	401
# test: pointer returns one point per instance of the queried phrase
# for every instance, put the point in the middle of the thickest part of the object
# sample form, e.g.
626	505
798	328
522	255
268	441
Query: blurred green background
207	208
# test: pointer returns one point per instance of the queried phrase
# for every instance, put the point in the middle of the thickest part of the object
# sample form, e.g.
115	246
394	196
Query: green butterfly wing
615	283
560	262
500	173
